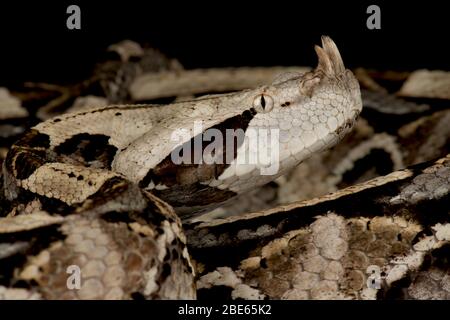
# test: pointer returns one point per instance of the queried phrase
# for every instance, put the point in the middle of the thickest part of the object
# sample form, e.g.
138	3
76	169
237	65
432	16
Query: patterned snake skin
92	186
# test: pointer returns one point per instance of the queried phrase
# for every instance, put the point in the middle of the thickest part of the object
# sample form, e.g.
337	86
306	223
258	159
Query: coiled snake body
99	190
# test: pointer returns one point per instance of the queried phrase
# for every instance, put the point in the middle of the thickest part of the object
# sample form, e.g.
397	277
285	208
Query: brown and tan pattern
365	219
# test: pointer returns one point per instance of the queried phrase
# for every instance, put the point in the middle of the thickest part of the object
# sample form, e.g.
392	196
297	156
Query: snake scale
91	182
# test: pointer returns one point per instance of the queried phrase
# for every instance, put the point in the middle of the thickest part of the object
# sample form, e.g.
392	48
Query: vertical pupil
263	102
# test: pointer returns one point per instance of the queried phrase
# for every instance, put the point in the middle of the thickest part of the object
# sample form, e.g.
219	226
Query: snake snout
330	61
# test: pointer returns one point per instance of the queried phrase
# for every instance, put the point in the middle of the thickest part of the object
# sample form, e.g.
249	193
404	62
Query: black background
302	310
37	46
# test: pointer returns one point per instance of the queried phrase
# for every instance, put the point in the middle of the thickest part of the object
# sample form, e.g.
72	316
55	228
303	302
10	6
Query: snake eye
263	103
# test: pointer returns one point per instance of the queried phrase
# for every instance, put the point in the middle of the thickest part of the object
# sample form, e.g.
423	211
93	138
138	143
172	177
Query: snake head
313	110
203	152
